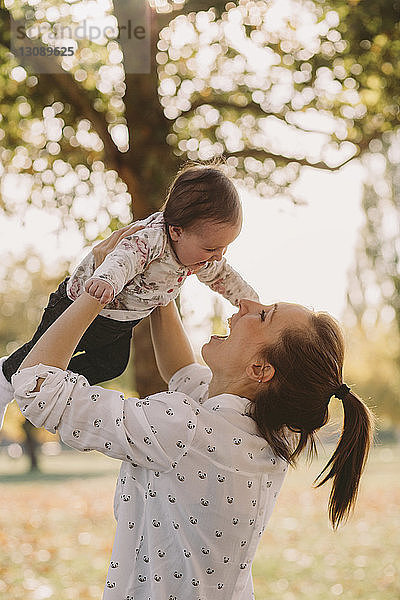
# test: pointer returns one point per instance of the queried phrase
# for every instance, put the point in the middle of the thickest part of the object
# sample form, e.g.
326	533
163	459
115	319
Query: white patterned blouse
196	488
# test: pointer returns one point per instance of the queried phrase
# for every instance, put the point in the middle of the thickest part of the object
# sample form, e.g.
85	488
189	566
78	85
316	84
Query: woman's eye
263	314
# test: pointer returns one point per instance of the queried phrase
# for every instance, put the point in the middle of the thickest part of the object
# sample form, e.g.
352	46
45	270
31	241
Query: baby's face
203	243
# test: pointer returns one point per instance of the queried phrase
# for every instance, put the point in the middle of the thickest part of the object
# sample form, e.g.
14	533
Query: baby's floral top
145	273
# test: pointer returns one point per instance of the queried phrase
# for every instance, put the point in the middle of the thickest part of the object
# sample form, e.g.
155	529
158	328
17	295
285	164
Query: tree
274	89
374	290
373	311
369	69
373	307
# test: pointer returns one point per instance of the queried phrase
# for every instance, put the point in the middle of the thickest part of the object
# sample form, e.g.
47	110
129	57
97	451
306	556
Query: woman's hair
201	192
308	370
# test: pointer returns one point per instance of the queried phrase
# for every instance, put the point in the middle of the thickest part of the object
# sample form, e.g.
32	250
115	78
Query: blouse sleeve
222	278
130	257
192	380
152	433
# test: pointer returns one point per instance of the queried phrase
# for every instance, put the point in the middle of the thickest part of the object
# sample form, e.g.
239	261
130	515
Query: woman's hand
101	250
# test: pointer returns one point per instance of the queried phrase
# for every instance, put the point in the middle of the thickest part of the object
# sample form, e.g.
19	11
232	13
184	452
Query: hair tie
342	391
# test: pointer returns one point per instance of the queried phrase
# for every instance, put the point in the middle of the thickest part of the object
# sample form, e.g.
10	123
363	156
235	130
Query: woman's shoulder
192	380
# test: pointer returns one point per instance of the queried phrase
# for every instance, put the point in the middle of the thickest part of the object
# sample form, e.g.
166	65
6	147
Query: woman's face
252	328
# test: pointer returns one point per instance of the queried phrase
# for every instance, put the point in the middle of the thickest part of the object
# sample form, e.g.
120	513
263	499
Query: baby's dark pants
104	347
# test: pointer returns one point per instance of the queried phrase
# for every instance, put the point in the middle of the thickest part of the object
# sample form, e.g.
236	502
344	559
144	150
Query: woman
203	463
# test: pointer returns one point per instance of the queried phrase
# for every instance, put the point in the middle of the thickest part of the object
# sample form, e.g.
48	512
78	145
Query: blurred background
301	99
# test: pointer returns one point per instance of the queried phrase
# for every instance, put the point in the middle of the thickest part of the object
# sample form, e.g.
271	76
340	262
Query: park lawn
301	558
56	533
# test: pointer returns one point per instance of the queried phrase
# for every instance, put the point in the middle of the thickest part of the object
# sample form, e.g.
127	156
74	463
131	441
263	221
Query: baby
200	218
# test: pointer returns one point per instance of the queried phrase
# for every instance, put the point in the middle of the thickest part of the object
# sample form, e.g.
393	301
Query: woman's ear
260	373
175	232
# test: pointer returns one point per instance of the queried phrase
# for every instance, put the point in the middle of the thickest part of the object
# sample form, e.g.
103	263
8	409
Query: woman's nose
243	306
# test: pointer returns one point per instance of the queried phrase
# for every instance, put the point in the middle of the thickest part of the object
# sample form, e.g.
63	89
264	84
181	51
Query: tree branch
251	107
263	155
71	92
198	5
49	71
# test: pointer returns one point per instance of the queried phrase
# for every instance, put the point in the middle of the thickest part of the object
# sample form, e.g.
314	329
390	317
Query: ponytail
348	461
293	406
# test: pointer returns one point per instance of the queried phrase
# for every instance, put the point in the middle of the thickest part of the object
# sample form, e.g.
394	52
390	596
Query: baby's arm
99	289
222	278
129	258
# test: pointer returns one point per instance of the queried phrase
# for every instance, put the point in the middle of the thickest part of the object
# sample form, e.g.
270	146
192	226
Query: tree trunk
148	379
147	169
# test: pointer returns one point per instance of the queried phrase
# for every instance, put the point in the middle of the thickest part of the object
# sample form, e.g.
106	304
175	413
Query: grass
301	557
57	528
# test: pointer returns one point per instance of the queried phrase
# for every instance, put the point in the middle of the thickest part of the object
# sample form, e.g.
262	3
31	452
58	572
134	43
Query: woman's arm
171	344
58	343
56	346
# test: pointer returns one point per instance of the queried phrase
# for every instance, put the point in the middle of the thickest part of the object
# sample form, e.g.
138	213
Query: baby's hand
100	289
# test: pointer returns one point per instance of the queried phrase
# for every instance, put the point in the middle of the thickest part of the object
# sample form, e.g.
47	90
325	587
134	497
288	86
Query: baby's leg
106	345
103	361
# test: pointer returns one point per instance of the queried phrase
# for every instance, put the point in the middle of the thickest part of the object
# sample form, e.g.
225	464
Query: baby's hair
201	192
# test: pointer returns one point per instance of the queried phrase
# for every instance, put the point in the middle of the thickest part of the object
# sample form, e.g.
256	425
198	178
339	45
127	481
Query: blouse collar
233	408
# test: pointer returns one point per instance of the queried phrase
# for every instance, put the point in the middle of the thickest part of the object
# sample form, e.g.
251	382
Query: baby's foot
6	392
